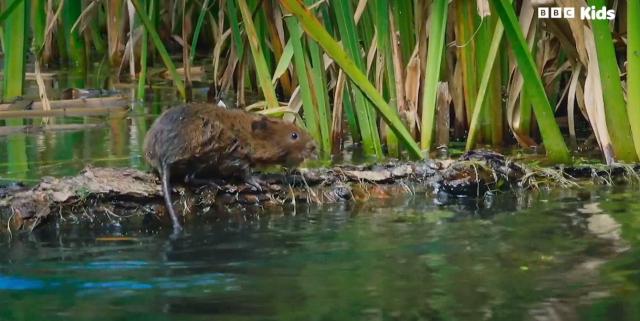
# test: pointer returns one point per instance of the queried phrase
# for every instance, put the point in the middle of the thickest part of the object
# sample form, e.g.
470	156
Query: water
112	141
573	254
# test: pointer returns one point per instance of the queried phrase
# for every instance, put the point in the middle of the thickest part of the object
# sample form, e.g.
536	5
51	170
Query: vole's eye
294	136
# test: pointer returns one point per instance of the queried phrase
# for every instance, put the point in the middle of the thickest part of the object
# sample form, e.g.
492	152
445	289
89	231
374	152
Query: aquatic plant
397	77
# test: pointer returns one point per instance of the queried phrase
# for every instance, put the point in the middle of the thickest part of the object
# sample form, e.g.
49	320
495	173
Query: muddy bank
107	194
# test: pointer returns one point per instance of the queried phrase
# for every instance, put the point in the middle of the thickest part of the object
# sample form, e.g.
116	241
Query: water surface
566	253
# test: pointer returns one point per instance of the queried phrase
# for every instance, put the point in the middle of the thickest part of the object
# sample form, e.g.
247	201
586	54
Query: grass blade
144	54
366	117
633	70
196	32
403	13
38	21
284	61
319	81
315	30
115	30
555	146
262	69
615	114
432	72
384	46
232	13
15	37
465	28
299	57
484	84
74	41
160	47
13	5
276	43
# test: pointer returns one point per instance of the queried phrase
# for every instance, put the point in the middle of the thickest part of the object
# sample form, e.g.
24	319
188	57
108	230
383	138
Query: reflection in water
17	157
60	153
548	255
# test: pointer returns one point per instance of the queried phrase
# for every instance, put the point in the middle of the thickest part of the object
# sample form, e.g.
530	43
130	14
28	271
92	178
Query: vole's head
282	142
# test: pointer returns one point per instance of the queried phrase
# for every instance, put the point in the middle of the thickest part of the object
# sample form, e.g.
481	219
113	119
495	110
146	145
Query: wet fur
201	141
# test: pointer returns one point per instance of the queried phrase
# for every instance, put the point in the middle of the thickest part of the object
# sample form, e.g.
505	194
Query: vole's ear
260	126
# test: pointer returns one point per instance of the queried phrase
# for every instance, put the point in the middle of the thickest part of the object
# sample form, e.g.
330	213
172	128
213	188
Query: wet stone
467	179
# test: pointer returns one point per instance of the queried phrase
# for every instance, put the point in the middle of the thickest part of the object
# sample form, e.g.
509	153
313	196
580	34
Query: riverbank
129	195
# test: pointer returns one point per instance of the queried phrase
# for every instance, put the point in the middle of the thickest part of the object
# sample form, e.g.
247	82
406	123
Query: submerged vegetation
399	77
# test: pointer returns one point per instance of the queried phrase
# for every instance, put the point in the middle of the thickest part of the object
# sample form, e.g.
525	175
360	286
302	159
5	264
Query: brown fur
201	141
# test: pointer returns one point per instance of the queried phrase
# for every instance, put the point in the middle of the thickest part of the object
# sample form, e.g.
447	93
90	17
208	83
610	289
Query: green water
565	253
110	141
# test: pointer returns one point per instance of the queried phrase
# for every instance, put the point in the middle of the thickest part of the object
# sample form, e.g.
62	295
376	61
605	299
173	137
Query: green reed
295	50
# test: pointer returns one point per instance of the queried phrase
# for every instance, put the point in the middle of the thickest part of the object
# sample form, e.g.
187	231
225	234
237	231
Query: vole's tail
166	191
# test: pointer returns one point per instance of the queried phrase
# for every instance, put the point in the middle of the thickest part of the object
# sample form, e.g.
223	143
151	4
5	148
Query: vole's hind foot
255	182
203	183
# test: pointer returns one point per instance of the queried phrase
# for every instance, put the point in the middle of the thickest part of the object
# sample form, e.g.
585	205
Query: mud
99	195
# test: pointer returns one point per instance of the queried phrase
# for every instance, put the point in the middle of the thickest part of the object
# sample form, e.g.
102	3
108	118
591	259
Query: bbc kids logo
586	13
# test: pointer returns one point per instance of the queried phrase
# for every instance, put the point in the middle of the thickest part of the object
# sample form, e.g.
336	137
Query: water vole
196	142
